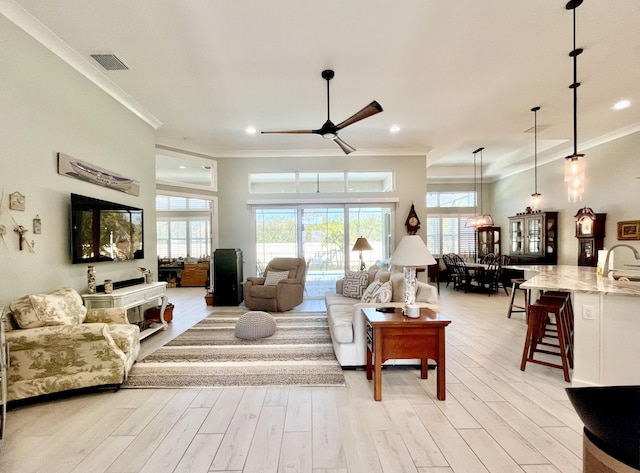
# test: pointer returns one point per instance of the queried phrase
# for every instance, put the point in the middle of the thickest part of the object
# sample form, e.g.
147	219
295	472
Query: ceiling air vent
110	62
540	128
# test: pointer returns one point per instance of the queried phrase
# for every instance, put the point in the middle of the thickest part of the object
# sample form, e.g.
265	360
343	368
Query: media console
133	298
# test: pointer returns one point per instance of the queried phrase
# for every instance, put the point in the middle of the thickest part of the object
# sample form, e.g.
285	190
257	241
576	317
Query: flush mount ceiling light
394	129
621	105
251	130
536	197
574	166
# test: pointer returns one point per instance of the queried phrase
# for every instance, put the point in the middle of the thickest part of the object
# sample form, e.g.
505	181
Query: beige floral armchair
55	344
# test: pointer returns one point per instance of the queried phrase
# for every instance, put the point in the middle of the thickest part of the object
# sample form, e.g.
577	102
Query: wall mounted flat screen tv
105	231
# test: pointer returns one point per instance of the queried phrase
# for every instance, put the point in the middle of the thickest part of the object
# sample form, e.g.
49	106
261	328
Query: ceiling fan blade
371	109
296	132
344	146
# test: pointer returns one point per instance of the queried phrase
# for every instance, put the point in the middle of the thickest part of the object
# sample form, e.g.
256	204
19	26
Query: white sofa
347	322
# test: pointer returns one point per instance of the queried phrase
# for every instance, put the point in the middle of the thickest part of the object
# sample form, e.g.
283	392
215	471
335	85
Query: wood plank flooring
496	418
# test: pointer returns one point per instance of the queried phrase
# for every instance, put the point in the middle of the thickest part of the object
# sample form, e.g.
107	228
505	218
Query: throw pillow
397	281
368	292
426	293
60	307
383	293
355	282
274	277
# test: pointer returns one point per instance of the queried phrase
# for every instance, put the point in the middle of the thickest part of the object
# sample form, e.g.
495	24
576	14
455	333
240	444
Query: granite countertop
575	279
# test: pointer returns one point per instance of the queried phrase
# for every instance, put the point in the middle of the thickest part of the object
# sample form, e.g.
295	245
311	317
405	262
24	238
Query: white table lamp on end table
411	253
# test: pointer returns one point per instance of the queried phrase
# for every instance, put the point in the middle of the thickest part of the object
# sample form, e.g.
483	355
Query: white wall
235	216
612	187
47	108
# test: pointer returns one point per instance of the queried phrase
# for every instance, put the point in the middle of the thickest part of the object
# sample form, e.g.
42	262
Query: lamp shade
361	244
412	252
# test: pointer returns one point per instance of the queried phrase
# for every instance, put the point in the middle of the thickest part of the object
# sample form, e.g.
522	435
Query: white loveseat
347	322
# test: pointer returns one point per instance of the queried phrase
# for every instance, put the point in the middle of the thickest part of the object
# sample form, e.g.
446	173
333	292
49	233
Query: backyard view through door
323	236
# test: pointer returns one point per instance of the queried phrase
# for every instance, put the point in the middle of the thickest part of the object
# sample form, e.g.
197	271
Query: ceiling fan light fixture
329	130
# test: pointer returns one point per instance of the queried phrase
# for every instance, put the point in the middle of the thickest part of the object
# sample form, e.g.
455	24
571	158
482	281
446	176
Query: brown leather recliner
281	296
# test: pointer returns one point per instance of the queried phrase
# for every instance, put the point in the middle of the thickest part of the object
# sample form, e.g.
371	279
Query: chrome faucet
605	270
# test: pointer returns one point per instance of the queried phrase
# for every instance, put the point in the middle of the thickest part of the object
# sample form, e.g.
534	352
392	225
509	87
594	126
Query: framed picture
629	230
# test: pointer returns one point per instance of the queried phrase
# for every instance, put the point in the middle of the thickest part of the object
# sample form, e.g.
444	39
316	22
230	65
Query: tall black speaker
227	276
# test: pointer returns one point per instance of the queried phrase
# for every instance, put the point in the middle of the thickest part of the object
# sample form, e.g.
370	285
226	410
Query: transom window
321	181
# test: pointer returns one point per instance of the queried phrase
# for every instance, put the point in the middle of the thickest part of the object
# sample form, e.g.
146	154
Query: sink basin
626	276
611	418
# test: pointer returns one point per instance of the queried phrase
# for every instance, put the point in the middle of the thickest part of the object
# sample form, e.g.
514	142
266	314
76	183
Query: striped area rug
209	355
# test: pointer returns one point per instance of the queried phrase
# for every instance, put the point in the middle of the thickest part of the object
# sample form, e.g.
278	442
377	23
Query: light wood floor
495	418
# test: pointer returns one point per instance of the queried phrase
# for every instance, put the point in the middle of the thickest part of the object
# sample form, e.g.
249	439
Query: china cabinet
488	241
533	238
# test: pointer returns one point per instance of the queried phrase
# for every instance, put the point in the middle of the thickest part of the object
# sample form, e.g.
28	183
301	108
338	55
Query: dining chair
462	275
488	258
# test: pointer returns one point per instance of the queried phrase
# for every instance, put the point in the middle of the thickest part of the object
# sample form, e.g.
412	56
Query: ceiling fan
329	130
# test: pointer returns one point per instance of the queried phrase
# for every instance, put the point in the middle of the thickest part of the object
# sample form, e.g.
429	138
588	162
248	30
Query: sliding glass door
323	236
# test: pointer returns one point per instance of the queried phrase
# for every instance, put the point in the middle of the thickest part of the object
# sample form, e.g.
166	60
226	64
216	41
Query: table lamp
411	253
360	245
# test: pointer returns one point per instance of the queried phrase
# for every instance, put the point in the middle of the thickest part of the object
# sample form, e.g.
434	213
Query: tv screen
105	231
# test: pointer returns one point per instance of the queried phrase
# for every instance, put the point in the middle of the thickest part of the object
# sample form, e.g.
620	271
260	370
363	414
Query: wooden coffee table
391	335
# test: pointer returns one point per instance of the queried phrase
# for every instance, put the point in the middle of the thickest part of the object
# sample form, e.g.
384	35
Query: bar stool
515	285
540	334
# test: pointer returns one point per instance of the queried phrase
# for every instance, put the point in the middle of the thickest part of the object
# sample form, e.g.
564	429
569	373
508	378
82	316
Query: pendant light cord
535	148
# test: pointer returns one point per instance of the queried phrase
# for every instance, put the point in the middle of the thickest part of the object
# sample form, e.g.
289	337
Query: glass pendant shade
574	169
574	177
535	201
484	221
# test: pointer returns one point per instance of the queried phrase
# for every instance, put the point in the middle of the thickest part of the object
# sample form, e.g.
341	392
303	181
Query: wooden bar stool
513	307
540	339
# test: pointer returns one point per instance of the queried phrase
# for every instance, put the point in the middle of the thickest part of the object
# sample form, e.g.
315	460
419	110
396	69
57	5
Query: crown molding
33	27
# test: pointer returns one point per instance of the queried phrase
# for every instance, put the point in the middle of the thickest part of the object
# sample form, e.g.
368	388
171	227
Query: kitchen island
607	322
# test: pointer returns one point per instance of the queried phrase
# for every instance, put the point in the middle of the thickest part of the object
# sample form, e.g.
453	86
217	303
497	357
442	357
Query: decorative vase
108	286
91	280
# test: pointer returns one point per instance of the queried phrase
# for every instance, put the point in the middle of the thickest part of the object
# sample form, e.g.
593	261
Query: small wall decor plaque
37	225
629	230
16	201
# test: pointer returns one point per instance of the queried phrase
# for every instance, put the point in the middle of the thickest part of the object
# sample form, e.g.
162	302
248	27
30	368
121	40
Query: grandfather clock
590	235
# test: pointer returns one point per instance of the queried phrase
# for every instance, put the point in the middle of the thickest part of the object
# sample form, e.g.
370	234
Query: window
323	236
183	227
321	181
451	199
448	234
446	230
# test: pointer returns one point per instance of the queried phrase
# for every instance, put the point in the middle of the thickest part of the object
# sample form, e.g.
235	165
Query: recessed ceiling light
251	130
622	104
182	167
394	129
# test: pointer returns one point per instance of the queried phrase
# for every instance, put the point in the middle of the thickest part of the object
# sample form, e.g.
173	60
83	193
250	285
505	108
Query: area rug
209	355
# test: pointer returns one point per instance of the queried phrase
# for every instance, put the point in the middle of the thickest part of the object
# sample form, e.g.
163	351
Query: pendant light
574	166
472	221
483	220
536	197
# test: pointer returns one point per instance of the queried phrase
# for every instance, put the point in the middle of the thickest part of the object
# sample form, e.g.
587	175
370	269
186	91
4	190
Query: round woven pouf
254	325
